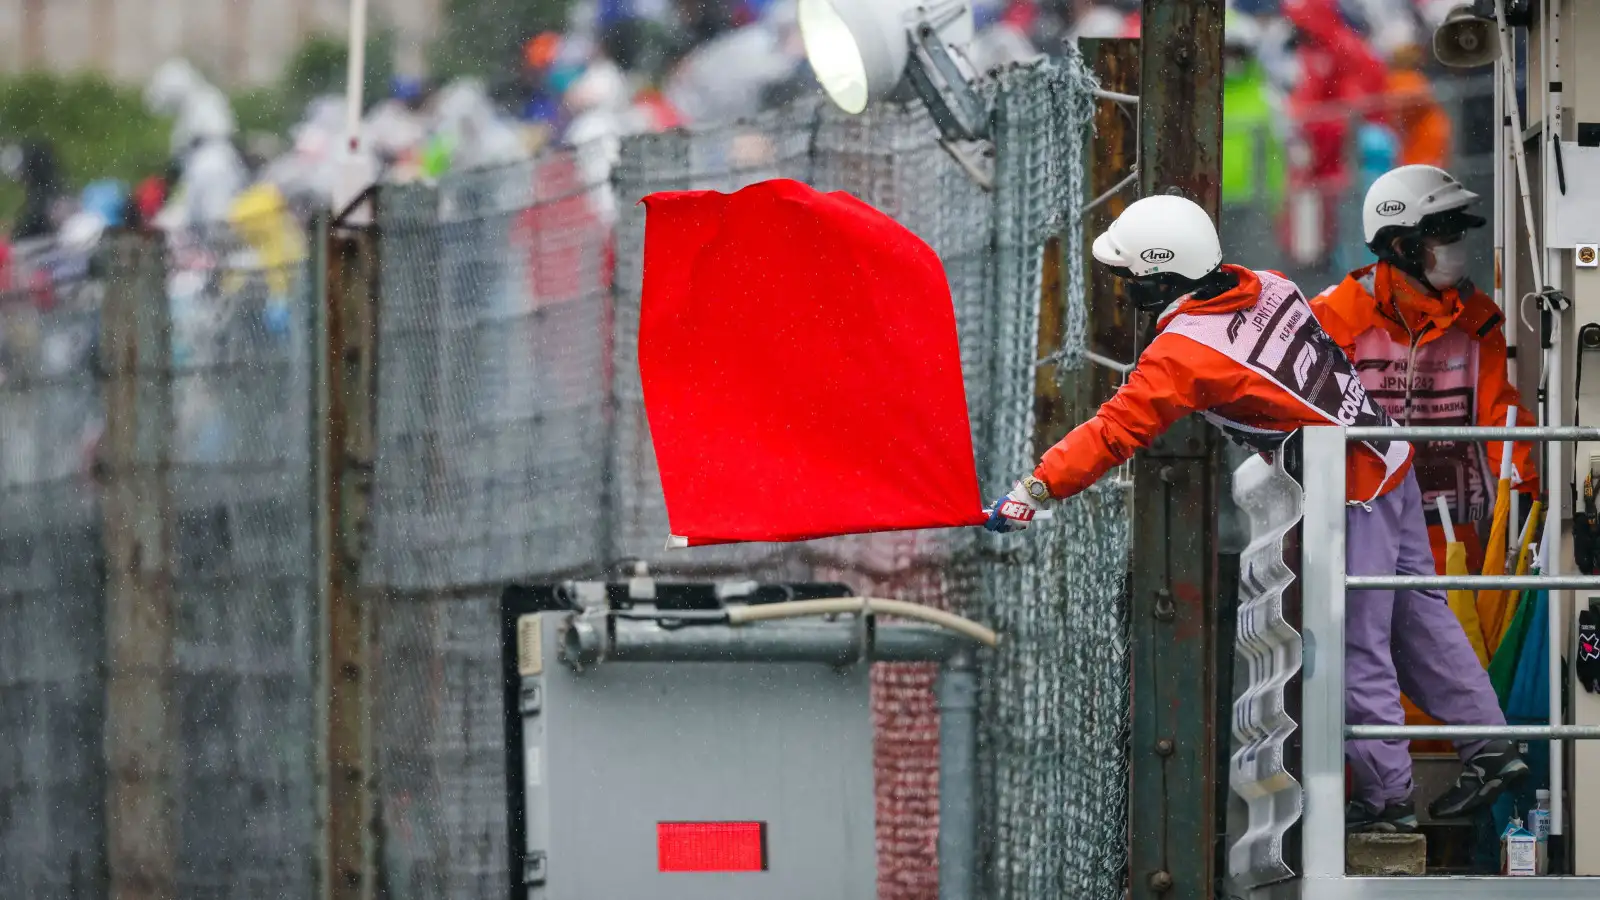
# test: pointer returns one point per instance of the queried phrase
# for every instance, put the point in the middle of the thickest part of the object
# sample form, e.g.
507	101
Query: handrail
1473	732
1471	582
1545	433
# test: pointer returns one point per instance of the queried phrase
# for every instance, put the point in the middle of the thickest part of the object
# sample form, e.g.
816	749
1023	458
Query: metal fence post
141	730
957	688
343	428
1322	686
1182	640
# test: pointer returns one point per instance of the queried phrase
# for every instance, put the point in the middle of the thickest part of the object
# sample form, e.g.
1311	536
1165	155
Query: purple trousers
1403	641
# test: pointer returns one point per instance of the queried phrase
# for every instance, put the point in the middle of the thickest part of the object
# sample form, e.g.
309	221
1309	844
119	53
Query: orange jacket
1454	375
1256	363
1424	127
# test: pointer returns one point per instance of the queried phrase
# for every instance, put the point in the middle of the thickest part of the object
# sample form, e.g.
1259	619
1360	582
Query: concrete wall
238	42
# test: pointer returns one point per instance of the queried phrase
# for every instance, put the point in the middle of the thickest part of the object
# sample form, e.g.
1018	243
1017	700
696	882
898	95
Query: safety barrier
1323	691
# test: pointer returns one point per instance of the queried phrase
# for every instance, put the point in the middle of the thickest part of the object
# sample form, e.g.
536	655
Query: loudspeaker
1466	39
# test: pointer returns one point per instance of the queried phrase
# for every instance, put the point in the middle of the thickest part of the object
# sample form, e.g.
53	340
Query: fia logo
1157	256
1390	208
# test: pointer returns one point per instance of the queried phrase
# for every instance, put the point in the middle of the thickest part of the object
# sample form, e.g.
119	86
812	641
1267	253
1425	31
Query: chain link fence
218	399
513	444
245	683
52	577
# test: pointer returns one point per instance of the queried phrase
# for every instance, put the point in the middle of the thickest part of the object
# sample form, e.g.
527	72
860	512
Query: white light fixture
860	49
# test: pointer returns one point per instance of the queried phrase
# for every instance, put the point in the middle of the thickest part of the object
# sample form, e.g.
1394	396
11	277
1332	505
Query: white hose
742	615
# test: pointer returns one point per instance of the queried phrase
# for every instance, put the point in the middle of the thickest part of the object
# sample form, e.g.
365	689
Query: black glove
1589	650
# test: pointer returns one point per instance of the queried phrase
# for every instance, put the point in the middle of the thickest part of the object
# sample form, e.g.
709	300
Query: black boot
1395	818
1483	778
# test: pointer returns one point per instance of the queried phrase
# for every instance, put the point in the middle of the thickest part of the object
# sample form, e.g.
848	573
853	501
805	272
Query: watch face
1038	490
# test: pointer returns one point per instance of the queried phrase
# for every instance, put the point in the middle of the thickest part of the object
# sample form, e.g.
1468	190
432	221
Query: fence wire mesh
439	739
494	382
244	681
52	564
217	396
513	445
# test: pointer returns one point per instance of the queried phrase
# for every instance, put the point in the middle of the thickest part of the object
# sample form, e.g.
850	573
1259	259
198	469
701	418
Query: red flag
801	369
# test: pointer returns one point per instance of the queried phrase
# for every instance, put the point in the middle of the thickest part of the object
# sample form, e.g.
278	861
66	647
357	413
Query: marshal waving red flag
801	369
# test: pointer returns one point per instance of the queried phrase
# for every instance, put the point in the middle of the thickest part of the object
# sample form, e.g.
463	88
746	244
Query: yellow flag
1492	604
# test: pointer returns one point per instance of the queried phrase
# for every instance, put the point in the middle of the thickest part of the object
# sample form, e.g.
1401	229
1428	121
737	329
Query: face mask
1449	266
1151	296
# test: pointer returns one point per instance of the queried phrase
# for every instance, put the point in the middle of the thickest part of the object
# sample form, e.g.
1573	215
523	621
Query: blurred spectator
1114	19
1252	145
33	164
702	20
1339	80
102	205
701	88
395	129
1425	131
202	143
1338	73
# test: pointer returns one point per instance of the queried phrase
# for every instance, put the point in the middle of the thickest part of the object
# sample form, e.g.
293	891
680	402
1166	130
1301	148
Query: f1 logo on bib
1390	208
1156	256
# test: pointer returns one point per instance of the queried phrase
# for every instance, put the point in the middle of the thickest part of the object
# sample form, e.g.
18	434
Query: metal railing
1323	689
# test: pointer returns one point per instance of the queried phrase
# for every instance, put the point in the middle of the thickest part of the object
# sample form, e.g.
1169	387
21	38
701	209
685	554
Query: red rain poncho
801	369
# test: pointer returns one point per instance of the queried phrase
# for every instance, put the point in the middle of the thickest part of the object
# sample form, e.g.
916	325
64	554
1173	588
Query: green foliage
485	37
101	130
98	130
319	68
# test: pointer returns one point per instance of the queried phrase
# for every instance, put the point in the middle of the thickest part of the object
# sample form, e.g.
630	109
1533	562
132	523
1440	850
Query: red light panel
711	846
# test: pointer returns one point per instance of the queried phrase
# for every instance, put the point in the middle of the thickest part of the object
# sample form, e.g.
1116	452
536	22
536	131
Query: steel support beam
344	429
1182	635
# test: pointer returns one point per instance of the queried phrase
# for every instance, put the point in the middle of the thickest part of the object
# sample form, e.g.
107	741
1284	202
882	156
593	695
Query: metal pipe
1116	96
355	74
1553	377
1121	368
958	778
1473	433
1473	732
1471	582
837	643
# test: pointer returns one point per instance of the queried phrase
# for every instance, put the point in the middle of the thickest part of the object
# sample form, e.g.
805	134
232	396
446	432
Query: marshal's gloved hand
1016	510
1589	651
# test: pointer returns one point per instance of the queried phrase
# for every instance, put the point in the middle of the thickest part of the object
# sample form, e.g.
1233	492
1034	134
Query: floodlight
860	49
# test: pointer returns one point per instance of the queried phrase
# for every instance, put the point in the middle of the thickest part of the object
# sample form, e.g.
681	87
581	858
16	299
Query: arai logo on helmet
1156	256
1391	208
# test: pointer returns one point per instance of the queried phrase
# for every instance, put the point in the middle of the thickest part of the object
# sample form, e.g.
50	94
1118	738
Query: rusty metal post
346	408
1061	402
141	731
1111	322
1182	638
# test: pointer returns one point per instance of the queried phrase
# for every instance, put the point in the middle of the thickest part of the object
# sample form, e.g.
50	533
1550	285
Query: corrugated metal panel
1270	647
